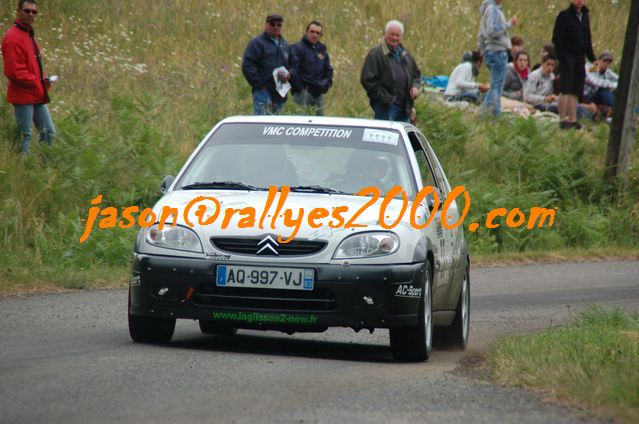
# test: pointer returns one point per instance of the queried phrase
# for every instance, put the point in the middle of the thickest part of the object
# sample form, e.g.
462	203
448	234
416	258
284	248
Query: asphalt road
68	358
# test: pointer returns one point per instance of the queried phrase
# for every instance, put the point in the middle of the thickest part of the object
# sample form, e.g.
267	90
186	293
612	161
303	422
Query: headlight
366	245
178	238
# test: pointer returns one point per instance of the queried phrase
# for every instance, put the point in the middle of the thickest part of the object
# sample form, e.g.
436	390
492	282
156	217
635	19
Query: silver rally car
295	223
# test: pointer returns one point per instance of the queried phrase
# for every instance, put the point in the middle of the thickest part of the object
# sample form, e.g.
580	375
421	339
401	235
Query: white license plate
264	277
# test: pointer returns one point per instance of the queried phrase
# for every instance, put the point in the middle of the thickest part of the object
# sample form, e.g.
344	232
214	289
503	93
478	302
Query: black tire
415	343
210	327
457	334
150	329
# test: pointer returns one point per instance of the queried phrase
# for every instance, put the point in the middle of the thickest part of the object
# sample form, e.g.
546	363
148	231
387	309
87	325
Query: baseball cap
605	56
273	18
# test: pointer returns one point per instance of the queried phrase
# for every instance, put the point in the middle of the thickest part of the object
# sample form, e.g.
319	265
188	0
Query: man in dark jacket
28	86
391	77
572	39
314	70
263	55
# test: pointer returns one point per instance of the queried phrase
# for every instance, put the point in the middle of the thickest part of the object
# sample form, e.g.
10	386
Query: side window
440	178
422	161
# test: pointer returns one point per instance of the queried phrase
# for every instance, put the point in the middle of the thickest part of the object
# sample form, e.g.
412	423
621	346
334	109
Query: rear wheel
150	329
414	343
210	327
456	335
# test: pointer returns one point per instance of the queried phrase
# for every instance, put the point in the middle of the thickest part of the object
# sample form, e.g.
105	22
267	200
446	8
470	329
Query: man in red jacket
28	86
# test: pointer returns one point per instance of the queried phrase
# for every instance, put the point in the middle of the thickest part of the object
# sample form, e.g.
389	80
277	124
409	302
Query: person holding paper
264	54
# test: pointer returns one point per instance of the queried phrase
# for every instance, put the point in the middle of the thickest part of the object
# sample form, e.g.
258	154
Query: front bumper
176	287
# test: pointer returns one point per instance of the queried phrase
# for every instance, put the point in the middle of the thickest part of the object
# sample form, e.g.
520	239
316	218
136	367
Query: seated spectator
601	82
517	44
516	76
461	84
546	50
538	90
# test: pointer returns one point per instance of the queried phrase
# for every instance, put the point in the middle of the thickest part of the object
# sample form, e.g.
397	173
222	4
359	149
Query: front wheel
415	343
150	329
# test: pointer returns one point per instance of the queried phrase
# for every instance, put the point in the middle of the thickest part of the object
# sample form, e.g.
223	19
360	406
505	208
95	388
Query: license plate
264	277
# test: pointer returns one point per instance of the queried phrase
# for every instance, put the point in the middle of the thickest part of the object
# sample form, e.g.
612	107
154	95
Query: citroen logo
267	244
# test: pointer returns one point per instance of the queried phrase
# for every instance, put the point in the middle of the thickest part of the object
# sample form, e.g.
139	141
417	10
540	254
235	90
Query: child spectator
546	50
517	46
461	84
516	76
538	90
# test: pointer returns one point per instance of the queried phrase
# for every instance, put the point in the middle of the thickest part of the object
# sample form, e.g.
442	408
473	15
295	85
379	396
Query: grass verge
593	362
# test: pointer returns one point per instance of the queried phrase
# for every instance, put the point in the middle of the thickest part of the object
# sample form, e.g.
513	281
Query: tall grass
142	82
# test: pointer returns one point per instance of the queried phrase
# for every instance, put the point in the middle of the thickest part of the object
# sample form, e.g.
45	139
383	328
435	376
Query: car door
431	175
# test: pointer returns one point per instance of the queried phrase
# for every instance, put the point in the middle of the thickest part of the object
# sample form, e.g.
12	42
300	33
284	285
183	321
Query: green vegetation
142	83
593	361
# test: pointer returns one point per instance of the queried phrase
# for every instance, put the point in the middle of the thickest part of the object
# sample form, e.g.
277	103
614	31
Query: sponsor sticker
407	290
380	136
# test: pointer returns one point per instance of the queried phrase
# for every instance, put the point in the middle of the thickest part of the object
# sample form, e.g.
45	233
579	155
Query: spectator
573	40
517	44
390	76
314	70
516	76
28	86
263	55
494	44
538	90
461	84
546	50
601	82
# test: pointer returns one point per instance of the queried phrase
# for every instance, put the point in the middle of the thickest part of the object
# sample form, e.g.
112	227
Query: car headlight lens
367	245
178	238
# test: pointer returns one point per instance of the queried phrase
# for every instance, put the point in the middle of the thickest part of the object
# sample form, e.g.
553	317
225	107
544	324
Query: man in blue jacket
314	70
263	55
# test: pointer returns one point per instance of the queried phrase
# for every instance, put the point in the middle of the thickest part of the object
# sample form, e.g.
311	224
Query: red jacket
23	67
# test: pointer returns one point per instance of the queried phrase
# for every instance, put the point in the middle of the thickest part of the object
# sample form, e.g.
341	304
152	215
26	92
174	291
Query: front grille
319	299
249	246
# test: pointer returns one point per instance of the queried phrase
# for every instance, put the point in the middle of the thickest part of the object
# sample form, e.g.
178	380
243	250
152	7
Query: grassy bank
141	83
592	362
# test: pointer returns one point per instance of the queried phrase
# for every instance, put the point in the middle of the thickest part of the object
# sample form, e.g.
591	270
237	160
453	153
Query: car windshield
308	158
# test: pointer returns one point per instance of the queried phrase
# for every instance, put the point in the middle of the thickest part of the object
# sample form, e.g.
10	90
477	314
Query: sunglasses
276	23
30	11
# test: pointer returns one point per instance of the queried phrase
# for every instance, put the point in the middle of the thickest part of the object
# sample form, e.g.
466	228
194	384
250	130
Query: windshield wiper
318	189
233	185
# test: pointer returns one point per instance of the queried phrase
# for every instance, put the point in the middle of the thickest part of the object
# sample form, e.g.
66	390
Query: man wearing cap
573	40
601	81
391	77
28	86
263	55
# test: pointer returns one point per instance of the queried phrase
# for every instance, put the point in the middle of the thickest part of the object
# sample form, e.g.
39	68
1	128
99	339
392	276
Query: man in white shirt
462	85
601	82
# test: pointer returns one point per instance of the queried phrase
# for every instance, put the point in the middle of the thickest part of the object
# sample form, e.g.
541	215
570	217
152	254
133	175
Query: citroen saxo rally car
303	223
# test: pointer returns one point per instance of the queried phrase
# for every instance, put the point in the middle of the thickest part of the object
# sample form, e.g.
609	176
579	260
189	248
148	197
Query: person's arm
597	80
250	65
416	82
559	34
327	81
496	25
15	66
370	79
589	50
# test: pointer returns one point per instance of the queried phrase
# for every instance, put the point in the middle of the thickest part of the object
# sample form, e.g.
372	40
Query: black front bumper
165	286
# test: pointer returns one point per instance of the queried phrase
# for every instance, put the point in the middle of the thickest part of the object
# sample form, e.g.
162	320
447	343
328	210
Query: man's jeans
26	115
496	63
314	105
264	104
603	97
391	112
471	96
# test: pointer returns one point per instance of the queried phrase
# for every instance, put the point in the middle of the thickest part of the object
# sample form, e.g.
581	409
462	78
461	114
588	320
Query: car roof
318	120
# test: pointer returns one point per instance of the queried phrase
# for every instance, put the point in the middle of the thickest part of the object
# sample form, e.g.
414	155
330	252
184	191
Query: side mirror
166	183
